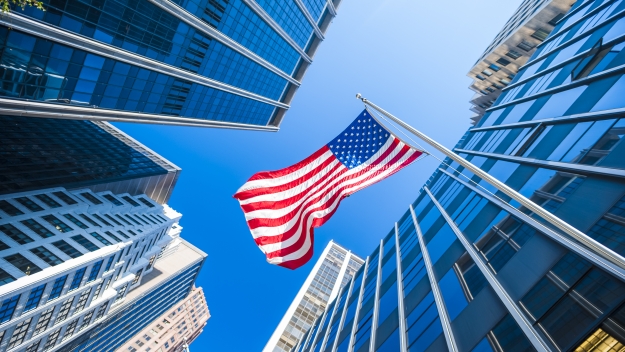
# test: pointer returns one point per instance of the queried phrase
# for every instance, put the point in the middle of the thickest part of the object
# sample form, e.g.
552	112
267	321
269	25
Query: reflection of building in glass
39	153
465	270
77	264
512	47
220	63
335	265
177	327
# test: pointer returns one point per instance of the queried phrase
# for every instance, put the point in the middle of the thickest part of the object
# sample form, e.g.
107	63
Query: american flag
283	207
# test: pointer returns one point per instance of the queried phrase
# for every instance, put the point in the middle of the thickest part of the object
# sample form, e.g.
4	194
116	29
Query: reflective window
423	325
613	98
453	294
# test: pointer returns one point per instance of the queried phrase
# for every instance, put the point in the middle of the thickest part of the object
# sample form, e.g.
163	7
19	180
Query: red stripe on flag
292	184
279	173
263	240
267	222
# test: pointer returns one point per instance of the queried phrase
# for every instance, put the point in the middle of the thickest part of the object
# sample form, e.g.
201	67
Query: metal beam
403	339
61	36
555	236
586	240
376	300
556	165
526	326
310	19
276	27
587	116
452	346
196	23
72	112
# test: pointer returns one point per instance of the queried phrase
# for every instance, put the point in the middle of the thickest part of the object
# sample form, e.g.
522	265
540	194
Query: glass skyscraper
39	153
219	63
467	269
333	270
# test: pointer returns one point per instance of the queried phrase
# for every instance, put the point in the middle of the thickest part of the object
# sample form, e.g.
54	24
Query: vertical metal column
528	329
376	300
557	237
338	329
352	336
588	241
403	340
436	292
336	306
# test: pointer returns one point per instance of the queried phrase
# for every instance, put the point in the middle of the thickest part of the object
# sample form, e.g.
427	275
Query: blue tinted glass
428	219
34	297
517	112
588	140
501	170
440	242
290	18
315	7
8	308
483	346
559	103
119	86
453	294
57	287
613	98
571	138
388	303
391	344
239	22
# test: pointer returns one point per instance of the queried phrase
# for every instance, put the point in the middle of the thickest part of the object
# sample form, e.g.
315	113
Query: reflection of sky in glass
453	295
559	103
613	98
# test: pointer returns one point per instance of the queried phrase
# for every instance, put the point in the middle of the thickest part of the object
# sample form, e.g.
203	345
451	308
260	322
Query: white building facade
334	268
67	258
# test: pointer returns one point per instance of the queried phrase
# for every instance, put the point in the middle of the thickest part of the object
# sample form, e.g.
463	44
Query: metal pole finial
359	96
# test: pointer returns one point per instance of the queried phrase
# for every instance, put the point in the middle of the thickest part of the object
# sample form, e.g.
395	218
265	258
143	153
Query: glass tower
467	269
39	153
334	268
219	63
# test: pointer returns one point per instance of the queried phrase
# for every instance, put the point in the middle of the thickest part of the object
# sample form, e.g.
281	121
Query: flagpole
600	249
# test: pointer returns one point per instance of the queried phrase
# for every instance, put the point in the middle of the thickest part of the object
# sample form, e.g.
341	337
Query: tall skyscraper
38	153
75	264
217	63
512	47
175	329
467	269
334	268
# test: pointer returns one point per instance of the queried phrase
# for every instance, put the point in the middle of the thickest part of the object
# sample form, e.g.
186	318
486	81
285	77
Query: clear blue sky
410	57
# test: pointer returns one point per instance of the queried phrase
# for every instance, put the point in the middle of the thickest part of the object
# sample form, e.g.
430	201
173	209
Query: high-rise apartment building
511	49
334	268
175	329
38	153
218	63
73	261
171	281
467	269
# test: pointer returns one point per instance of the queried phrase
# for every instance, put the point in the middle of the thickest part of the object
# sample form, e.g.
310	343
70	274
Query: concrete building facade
175	329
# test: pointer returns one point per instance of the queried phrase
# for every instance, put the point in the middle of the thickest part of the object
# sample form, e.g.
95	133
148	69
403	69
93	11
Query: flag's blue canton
360	141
